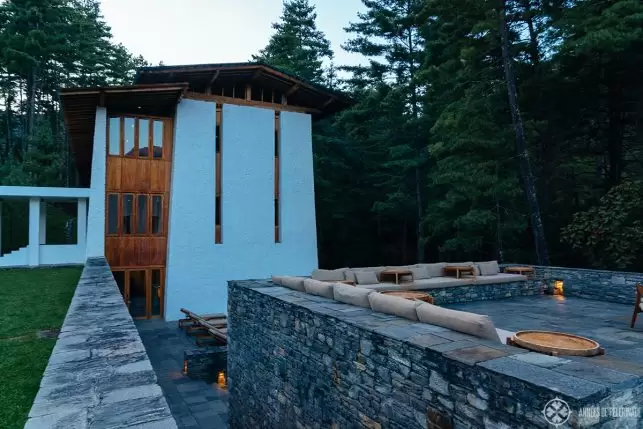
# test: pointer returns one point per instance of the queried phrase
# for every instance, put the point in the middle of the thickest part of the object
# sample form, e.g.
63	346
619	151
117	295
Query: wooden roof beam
256	74
215	76
293	89
328	102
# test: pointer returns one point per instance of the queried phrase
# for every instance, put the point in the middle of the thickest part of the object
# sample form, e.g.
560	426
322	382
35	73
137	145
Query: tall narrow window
141	215
112	214
218	238
157	139
157	214
143	138
277	173
128	213
128	144
114	136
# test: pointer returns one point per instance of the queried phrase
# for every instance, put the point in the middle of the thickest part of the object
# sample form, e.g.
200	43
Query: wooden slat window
128	214
142	217
157	215
218	238
137	137
112	214
277	178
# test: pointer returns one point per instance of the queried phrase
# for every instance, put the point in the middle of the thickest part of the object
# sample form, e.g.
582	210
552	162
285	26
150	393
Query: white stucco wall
197	268
96	214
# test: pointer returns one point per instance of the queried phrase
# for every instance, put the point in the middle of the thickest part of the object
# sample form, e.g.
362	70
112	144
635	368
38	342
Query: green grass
30	300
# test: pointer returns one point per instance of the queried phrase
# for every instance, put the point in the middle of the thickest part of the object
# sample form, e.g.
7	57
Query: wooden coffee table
460	269
396	273
526	271
412	295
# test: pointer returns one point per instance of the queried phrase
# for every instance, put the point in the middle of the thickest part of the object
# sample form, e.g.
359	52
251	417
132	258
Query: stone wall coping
99	374
502	364
585	270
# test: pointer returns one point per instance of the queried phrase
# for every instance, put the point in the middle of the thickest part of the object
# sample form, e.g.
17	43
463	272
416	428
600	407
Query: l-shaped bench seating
425	276
469	323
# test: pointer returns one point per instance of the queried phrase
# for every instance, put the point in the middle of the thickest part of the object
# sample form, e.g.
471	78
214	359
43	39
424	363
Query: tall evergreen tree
297	46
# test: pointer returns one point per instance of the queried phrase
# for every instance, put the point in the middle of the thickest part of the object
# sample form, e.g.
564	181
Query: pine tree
297	46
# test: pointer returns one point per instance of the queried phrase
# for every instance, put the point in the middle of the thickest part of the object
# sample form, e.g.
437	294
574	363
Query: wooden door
142	290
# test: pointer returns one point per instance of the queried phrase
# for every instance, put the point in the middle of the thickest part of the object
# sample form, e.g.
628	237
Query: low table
396	273
526	271
412	295
460	269
556	343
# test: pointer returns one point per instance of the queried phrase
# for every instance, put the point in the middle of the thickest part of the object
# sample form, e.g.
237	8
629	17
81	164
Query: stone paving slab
194	404
99	375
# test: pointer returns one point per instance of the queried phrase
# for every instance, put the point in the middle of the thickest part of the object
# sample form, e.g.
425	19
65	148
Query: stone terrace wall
602	285
301	361
478	292
99	375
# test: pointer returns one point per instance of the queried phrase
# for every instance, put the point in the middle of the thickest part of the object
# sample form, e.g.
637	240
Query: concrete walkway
194	404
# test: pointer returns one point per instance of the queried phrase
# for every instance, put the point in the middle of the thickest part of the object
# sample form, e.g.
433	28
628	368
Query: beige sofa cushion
500	278
434	270
380	286
439	282
278	280
329	275
461	321
350	275
488	268
394	305
296	283
317	287
366	277
351	295
419	273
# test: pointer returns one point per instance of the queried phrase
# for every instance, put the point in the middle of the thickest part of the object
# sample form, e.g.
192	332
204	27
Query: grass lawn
30	300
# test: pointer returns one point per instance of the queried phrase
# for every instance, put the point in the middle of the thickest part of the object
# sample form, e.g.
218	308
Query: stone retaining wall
99	375
602	285
297	360
478	292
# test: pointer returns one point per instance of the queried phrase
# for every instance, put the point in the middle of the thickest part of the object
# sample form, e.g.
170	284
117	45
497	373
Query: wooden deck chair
638	304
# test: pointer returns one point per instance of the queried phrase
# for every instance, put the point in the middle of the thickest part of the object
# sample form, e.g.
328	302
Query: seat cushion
366	277
349	274
461	321
500	278
291	282
329	275
489	268
394	305
380	286
319	288
351	295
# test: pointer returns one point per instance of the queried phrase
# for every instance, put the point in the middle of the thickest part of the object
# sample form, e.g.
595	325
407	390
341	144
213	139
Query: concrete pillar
34	232
43	222
81	223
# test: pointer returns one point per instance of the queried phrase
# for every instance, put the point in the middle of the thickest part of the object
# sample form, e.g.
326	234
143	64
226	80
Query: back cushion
329	275
366	277
278	280
350	275
434	270
296	283
319	288
419	273
489	268
394	305
351	295
468	323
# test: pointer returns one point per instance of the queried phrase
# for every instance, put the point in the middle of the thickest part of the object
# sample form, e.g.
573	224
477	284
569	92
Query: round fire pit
556	343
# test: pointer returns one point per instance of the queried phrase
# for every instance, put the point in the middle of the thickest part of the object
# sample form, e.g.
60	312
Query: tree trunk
31	106
615	134
420	214
521	144
8	151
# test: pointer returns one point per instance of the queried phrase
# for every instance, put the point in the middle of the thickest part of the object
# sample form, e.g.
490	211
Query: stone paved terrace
605	322
195	404
99	375
298	360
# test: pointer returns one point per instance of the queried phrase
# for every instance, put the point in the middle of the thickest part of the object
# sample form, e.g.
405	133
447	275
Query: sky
215	31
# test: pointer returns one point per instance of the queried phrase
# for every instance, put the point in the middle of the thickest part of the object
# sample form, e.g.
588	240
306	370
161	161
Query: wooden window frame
148	214
165	143
277	173
218	204
148	289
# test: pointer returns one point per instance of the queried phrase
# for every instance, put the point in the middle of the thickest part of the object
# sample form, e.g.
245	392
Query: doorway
142	291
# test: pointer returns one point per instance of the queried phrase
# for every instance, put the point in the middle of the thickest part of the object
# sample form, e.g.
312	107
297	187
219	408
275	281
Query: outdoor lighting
221	381
558	287
185	367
